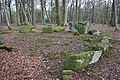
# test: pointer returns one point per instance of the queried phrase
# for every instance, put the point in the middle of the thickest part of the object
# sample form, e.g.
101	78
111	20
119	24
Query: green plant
89	40
65	77
32	49
32	54
84	43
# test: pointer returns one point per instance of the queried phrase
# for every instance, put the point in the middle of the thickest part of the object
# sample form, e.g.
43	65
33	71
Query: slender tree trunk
17	12
10	11
0	16
65	13
23	13
47	15
93	8
79	8
43	11
6	15
112	21
76	11
59	20
116	17
33	13
51	12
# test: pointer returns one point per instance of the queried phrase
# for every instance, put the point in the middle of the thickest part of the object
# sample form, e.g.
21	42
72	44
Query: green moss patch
58	29
26	29
47	30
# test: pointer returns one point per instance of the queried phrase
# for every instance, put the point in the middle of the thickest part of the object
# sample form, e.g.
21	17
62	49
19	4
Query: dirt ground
50	53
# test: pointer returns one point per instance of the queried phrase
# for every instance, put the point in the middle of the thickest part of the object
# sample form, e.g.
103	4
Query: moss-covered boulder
78	61
81	27
47	30
58	29
26	29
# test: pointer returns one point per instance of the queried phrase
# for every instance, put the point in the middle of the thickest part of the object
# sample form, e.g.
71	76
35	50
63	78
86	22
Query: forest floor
41	56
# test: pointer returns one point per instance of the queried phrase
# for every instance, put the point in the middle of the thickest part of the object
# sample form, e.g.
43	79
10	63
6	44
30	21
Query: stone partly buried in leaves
78	61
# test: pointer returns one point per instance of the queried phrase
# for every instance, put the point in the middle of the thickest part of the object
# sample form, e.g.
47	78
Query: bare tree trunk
93	8
116	17
73	11
76	11
33	13
10	11
59	20
6	15
65	13
29	10
47	15
112	21
17	12
0	16
24	13
79	10
43	11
